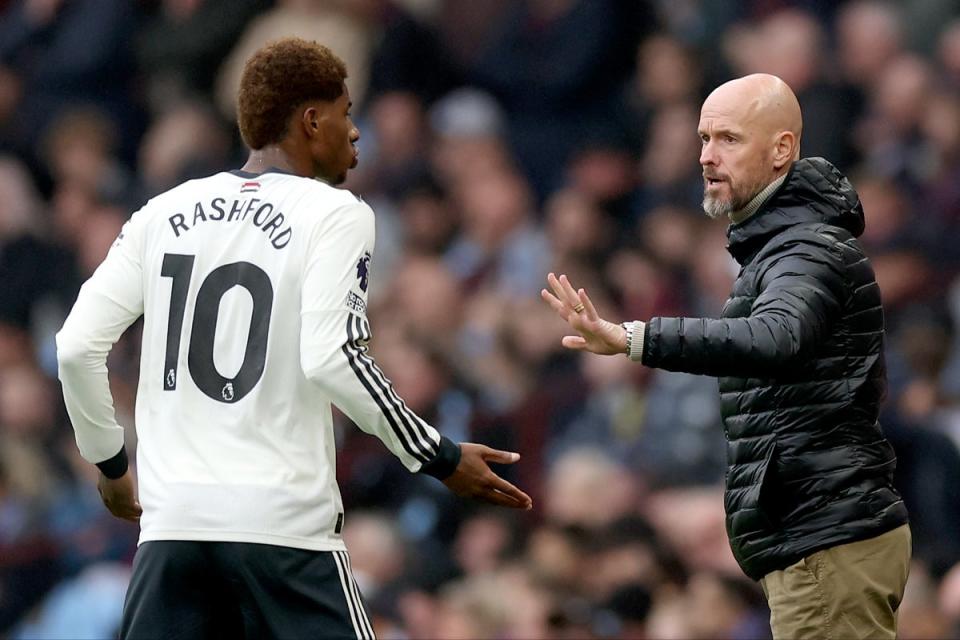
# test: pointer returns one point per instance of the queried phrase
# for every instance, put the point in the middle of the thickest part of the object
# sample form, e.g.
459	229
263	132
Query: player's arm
109	302
334	354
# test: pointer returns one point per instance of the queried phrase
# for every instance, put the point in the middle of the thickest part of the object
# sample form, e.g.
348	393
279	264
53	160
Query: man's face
736	156
333	148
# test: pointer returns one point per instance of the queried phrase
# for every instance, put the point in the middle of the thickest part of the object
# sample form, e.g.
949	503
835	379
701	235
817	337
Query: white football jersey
253	290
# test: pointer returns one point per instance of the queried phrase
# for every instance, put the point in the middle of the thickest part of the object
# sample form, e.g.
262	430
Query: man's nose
708	154
354	134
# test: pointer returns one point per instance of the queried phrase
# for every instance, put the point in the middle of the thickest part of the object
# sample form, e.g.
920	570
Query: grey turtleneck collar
739	216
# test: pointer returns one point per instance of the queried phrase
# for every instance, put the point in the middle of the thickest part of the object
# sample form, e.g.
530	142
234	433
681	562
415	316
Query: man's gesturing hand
120	497
596	334
473	478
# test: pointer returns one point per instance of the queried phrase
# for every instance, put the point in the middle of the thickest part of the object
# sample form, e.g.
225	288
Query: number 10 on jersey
179	268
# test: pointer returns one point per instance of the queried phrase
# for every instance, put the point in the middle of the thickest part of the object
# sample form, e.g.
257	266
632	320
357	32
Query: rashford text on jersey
261	214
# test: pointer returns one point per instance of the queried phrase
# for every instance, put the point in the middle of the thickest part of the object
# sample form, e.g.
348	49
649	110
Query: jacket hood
814	191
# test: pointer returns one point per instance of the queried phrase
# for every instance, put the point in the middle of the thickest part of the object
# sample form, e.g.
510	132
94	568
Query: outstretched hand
473	477
595	334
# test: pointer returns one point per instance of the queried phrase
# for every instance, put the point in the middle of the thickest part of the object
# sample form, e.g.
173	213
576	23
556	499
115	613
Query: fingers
504	500
564	300
569	293
129	511
588	305
587	322
477	480
557	289
512	497
496	489
503	457
568	297
564	292
119	497
504	488
554	303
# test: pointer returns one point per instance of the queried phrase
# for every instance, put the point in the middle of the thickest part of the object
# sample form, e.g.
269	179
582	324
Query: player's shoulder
335	197
336	208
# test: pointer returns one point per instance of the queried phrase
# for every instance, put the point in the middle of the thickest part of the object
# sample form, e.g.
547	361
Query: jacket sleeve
334	338
109	302
801	294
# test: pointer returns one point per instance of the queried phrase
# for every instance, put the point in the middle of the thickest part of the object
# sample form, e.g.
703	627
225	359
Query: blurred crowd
500	140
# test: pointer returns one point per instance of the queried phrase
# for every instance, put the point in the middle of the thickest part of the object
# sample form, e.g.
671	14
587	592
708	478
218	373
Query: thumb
503	457
574	342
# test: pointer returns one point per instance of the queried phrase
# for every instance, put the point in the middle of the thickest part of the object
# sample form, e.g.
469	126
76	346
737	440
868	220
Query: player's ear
310	119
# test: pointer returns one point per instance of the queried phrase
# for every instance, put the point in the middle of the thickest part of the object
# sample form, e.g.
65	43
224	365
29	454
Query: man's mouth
712	181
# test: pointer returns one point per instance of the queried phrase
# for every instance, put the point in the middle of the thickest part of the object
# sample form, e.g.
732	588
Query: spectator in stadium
812	512
242	522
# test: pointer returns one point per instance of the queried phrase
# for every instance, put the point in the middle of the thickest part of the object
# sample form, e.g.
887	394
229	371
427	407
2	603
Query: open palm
594	333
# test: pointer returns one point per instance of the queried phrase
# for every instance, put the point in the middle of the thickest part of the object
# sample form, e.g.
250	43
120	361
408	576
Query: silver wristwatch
628	327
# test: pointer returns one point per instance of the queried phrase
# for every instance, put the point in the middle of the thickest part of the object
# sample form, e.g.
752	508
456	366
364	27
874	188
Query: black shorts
186	589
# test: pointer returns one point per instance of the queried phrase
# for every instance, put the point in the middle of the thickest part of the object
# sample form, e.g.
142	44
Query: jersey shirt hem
309	544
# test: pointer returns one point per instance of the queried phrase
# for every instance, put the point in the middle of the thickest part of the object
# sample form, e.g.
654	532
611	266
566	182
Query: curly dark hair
277	79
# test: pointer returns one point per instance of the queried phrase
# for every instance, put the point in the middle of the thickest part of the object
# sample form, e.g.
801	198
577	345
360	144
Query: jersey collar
249	175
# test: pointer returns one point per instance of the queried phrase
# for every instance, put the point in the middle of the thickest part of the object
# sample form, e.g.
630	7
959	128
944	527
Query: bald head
750	129
759	101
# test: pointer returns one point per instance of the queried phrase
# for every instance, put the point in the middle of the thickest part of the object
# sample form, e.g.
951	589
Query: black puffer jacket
799	354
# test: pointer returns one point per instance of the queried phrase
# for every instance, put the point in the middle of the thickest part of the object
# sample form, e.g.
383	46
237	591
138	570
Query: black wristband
446	460
116	466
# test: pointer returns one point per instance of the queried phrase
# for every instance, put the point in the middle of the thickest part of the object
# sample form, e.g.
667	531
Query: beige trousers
850	591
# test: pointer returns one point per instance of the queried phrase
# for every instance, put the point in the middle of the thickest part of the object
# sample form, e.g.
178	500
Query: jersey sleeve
109	302
335	334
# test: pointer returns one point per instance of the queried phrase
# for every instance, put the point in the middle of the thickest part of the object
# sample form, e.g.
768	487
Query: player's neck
275	157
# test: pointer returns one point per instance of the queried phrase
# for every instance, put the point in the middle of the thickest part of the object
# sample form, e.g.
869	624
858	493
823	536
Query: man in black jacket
811	509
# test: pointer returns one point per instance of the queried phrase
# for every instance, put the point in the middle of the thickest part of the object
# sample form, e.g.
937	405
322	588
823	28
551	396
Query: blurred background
500	140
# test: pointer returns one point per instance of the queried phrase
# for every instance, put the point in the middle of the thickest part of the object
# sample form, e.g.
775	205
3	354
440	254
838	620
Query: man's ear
786	148
310	119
